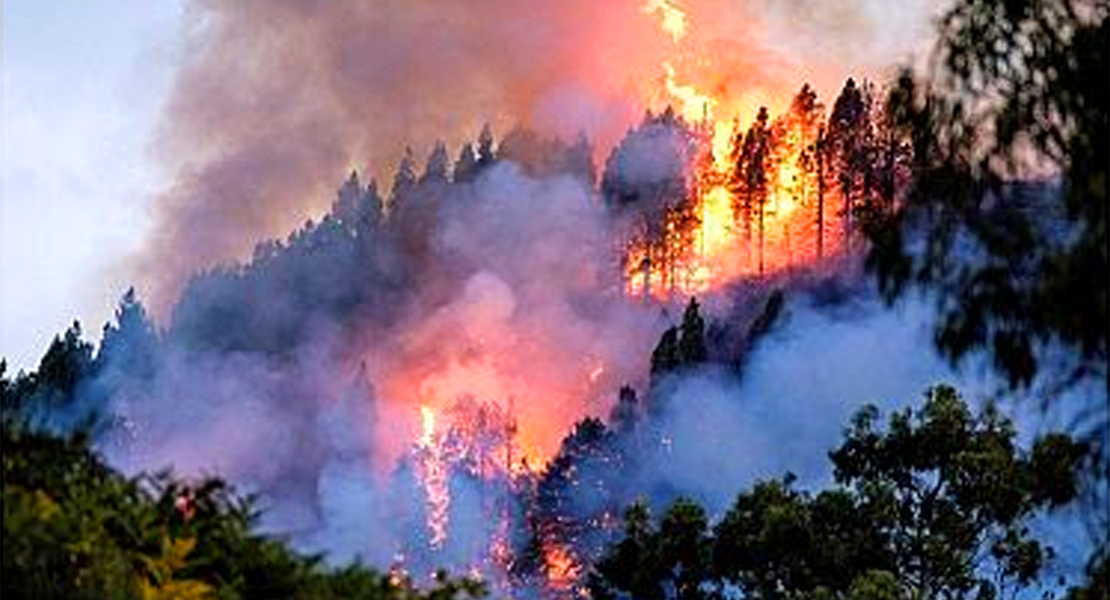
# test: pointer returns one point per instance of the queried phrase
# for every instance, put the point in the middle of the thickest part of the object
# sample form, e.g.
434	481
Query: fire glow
754	206
750	207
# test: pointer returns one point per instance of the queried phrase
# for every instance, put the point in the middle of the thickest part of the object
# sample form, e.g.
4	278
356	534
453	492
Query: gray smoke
277	99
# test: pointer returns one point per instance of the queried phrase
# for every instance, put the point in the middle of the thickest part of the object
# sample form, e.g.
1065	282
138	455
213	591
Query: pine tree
435	169
345	207
466	165
664	359
691	346
486	155
849	137
404	180
129	347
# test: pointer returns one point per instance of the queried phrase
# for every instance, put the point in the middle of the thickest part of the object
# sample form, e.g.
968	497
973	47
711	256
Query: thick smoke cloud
300	376
277	99
799	387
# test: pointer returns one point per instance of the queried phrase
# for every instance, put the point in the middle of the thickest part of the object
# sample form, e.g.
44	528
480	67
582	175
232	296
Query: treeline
938	502
74	527
366	256
799	186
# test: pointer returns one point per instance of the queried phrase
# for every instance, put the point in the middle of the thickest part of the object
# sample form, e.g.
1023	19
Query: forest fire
433	475
780	195
471	339
600	340
753	202
735	203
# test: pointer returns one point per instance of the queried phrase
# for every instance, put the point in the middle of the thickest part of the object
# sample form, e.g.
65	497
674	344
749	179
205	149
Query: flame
433	476
561	566
672	19
428	423
693	105
715	235
468	375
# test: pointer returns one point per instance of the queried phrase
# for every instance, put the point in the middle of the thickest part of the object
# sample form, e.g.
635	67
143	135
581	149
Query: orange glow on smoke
672	19
719	236
497	389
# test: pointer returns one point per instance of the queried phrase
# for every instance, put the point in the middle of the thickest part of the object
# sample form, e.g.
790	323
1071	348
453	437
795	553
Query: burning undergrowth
465	374
479	367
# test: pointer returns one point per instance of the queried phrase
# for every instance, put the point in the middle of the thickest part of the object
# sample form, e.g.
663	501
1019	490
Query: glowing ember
561	566
433	476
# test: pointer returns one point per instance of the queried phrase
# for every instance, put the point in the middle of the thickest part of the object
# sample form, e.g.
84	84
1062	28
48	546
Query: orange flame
716	235
561	566
433	476
672	19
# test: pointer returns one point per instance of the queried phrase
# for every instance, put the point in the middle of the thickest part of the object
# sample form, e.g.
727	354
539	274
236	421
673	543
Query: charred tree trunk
820	194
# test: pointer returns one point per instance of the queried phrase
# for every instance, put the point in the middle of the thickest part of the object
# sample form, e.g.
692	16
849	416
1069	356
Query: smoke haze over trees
455	367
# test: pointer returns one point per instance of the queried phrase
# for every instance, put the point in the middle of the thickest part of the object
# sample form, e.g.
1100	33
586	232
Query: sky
81	87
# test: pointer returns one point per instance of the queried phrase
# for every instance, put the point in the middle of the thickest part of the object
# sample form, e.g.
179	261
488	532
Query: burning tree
728	203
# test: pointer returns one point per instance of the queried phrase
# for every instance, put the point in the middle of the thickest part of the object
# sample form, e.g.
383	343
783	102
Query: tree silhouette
466	165
1005	220
935	505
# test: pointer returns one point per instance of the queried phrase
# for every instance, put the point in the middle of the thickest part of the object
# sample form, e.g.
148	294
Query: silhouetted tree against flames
466	165
647	183
849	139
485	154
749	184
1006	217
807	116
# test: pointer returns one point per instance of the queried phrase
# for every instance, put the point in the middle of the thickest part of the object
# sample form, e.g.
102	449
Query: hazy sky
82	84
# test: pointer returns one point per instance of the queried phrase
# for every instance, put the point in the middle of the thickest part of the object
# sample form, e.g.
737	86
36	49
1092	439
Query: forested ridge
942	498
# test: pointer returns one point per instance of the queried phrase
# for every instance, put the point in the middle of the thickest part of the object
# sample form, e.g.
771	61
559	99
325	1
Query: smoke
277	99
300	375
800	385
524	303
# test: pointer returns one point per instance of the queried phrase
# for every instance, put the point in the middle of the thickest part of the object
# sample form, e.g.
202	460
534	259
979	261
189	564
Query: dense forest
923	182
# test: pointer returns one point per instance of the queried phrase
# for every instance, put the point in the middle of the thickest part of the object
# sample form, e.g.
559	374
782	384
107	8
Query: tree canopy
934	505
1006	215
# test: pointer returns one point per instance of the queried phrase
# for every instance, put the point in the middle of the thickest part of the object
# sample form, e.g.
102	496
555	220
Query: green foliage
573	496
650	561
1020	269
129	346
935	504
49	396
947	487
75	528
